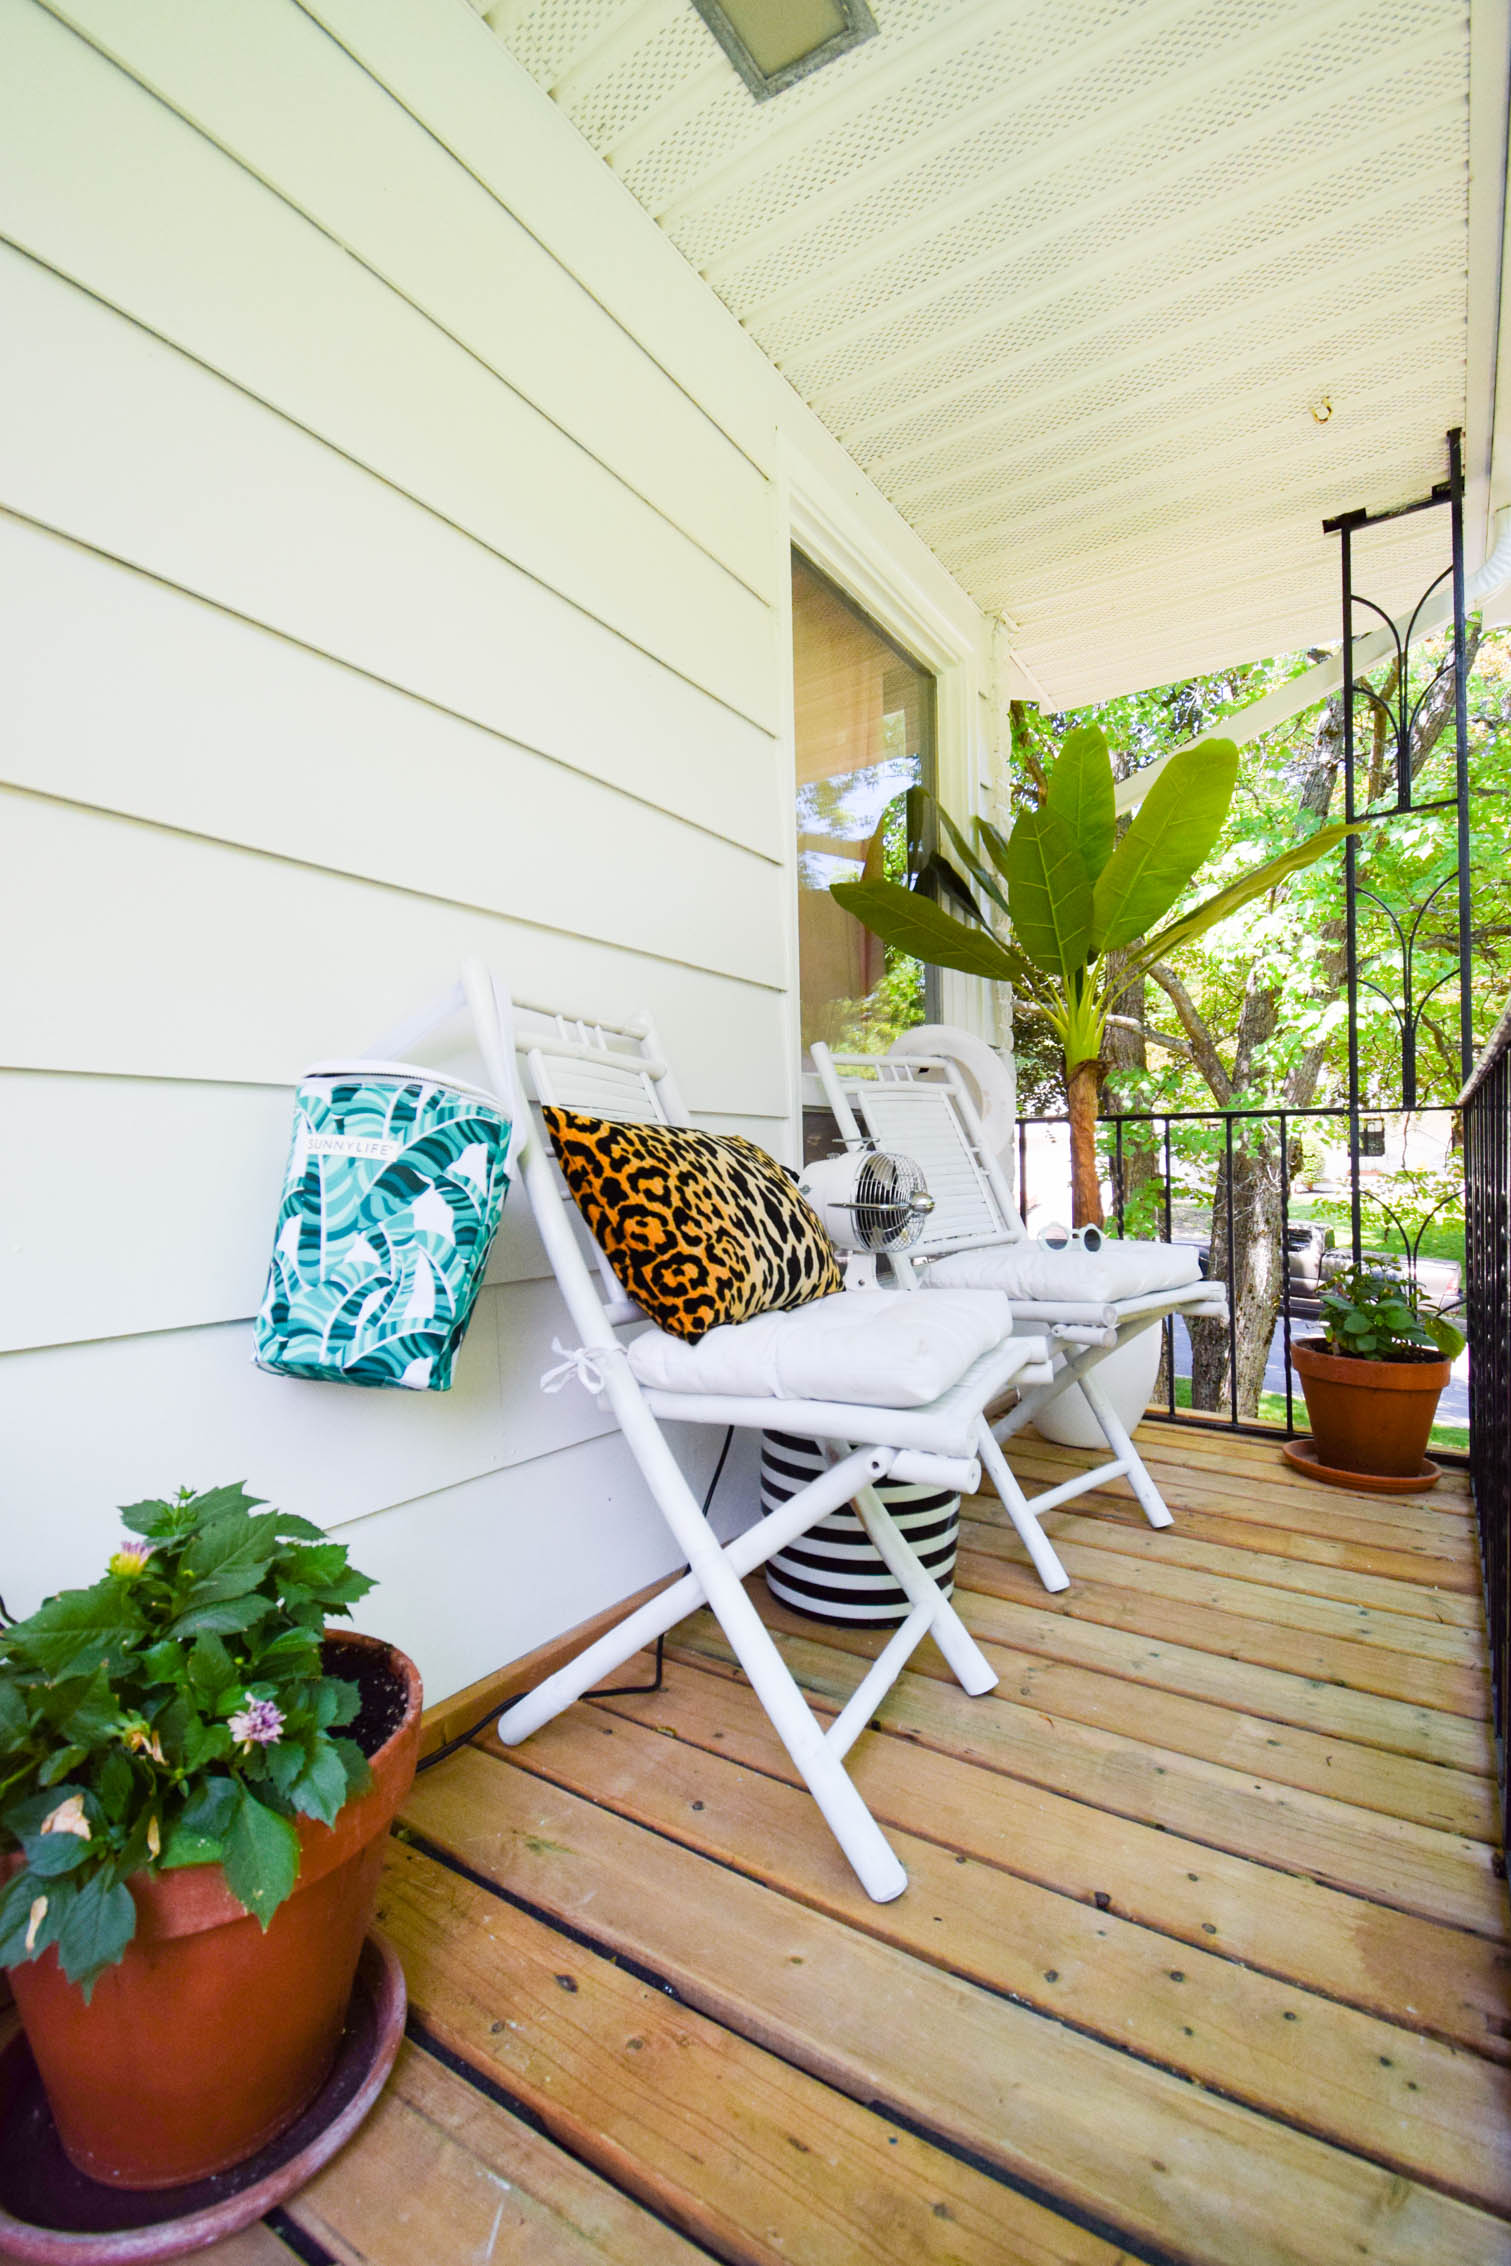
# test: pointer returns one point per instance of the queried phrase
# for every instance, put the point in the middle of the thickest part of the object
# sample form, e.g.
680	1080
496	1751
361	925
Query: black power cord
603	1691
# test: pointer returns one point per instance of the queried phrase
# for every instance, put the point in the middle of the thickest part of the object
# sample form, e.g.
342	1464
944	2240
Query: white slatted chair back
603	1070
919	1107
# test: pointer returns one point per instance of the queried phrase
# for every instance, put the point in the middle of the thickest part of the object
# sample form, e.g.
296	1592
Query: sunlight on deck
1203	1953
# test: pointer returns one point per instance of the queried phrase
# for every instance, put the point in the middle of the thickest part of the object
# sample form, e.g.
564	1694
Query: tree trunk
1085	1180
1247	1255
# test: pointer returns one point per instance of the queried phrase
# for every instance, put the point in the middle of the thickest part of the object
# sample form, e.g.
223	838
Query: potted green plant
1373	1379
196	1776
1082	902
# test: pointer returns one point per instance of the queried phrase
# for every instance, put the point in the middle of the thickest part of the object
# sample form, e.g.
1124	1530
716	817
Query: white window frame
857	542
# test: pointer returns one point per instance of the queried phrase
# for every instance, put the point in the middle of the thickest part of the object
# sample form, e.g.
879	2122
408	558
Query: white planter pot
1127	1377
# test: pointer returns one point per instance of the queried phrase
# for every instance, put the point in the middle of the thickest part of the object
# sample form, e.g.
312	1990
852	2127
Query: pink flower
130	1561
259	1724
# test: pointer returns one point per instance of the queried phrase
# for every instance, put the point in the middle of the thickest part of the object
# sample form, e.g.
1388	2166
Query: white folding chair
619	1072
1087	1304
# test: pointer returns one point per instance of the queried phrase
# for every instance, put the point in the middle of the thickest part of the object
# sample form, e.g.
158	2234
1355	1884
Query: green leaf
1243	891
114	1785
221	1619
1449	1341
48	1854
209	1811
151	1519
938	879
1176	826
296	1529
355	1763
13	1718
1049	891
292	1653
58	1765
16	1900
183	1848
336	1701
211	1669
262	1857
1081	791
320	1792
980	873
72	1634
286	1761
216	1501
164	1663
98	1925
902	918
230	1555
91	1711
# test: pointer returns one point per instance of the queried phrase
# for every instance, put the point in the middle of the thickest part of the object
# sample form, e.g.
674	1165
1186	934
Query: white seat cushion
1029	1270
874	1348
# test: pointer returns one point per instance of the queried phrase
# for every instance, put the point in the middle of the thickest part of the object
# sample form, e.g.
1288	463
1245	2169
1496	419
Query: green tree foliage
1292	939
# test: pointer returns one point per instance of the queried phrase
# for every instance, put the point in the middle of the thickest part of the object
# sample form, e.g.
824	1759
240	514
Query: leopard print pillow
700	1228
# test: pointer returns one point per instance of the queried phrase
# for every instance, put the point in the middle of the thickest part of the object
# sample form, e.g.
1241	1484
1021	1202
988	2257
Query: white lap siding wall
392	539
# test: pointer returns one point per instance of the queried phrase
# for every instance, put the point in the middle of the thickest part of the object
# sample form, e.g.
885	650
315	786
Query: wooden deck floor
1204	1955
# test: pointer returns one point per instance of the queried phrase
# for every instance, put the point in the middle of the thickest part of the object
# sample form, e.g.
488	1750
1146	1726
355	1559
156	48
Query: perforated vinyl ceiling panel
1073	279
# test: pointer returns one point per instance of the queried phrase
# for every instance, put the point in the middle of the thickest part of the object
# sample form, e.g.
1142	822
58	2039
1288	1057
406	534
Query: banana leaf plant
1082	902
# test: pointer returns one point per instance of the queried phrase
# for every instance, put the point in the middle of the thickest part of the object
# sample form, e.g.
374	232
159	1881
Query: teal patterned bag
392	1195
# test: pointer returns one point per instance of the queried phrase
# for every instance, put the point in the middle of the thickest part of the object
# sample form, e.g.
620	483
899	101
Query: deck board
1205	1956
1426	2108
989	2076
1034	1734
1443	1980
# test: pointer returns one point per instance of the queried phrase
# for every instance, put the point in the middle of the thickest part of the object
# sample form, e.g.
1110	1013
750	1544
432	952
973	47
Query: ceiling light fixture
774	43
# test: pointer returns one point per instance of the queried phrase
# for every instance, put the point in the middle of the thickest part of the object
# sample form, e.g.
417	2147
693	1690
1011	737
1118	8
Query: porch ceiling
1069	278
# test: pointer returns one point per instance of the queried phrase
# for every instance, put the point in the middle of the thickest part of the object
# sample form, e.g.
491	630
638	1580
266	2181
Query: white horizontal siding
144	1205
150	953
137	699
453	232
112	437
369	597
193	244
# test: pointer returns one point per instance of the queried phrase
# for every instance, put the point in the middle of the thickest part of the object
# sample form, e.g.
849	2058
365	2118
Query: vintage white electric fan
871	1204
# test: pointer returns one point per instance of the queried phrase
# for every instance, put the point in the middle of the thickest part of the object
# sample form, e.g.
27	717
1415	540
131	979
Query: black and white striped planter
833	1572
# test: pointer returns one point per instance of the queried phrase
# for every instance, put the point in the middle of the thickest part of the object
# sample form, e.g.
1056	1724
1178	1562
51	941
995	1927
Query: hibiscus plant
176	1713
1084	903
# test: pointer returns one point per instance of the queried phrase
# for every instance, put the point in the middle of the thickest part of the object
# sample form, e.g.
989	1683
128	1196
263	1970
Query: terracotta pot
210	2037
1369	1416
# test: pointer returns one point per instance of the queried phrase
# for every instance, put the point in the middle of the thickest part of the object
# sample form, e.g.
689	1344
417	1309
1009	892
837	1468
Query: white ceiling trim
1067	278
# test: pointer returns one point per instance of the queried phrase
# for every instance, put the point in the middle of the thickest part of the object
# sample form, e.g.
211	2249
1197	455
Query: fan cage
885	1207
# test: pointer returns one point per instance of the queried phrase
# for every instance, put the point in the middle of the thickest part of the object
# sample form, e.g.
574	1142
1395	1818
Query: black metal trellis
1486	1107
1399	712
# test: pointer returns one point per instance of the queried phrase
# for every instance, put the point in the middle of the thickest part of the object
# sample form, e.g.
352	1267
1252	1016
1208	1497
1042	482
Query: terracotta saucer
1303	1454
51	2215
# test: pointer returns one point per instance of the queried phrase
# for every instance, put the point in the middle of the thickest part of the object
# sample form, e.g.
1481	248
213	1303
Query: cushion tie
582	1364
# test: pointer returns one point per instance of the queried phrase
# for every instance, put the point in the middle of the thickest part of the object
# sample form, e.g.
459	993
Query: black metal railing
1486	1106
1154	1159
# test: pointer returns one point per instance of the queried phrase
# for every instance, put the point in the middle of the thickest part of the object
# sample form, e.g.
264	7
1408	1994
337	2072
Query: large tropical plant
1084	905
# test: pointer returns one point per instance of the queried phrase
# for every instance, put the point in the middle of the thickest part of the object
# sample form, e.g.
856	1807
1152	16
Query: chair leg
872	1857
713	1580
1019	1509
973	1671
1151	1502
